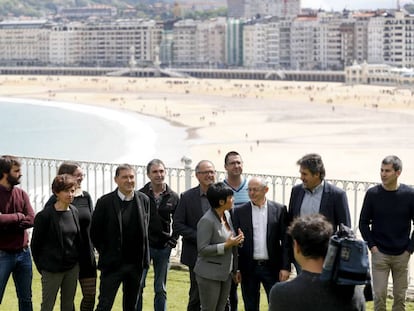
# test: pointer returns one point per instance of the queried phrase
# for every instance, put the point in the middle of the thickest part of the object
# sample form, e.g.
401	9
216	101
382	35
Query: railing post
187	170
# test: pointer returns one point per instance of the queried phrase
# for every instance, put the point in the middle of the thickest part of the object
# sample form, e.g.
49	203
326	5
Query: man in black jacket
163	202
119	232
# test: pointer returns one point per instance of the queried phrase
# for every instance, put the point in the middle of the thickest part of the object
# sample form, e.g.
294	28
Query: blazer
334	204
106	230
47	242
276	237
186	217
214	262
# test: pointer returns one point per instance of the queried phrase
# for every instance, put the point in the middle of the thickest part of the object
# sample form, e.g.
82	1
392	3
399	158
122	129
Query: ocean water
57	130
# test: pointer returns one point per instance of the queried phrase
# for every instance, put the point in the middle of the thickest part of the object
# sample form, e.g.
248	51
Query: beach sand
270	123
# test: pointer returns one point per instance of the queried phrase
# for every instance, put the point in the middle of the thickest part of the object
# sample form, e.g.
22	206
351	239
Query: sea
67	131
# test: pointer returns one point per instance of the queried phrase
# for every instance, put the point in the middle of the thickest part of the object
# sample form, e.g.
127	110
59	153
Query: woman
56	245
217	250
87	265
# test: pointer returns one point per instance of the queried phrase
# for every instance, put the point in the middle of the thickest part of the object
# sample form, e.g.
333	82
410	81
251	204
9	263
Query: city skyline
329	5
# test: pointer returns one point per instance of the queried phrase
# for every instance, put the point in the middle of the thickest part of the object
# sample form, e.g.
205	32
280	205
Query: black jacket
47	241
106	230
159	229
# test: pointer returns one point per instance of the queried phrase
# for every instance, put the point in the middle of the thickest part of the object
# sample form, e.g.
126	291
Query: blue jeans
161	262
20	266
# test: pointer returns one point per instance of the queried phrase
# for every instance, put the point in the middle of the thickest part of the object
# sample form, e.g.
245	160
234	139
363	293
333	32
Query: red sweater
16	215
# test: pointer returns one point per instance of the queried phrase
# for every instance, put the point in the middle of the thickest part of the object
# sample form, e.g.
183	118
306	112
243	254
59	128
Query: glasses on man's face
207	172
256	189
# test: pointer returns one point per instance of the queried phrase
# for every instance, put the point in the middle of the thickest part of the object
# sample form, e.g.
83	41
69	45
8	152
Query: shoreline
270	123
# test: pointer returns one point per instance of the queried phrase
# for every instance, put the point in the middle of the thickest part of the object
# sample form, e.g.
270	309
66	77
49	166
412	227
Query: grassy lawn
177	287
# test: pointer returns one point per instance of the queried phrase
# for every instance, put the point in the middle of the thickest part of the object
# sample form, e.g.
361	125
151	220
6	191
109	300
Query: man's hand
171	243
284	275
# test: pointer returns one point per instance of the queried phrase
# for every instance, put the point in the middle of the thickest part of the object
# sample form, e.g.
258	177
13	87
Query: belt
261	262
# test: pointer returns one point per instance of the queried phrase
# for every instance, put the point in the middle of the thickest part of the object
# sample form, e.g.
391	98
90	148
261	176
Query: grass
177	287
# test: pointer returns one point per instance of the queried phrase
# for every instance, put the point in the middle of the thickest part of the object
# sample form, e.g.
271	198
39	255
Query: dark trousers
193	295
127	274
250	285
233	300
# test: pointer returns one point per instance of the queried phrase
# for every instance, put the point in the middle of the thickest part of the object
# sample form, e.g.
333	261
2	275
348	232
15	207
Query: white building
24	42
257	8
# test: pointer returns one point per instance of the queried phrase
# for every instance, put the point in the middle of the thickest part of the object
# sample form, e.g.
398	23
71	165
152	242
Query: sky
339	5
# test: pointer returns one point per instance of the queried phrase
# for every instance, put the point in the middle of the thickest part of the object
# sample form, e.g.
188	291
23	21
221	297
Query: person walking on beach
163	203
87	264
192	206
385	223
233	164
307	292
57	245
119	232
16	216
264	255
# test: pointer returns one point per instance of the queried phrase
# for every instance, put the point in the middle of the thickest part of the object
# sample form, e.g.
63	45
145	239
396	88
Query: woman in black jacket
56	245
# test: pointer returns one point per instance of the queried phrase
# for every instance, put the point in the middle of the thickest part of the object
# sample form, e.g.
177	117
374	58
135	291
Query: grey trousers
213	294
53	281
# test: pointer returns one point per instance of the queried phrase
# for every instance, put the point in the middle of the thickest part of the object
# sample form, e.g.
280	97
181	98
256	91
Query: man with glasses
264	255
191	207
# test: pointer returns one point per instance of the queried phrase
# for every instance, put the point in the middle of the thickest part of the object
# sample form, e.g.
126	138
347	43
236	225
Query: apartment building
260	8
399	40
210	43
24	42
234	42
302	43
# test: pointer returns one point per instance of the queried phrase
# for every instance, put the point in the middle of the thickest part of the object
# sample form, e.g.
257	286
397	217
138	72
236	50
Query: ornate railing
99	179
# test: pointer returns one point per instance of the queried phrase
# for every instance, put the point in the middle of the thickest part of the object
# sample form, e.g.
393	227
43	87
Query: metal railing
38	175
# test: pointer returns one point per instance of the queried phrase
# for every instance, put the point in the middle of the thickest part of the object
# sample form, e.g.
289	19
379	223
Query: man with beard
192	206
16	215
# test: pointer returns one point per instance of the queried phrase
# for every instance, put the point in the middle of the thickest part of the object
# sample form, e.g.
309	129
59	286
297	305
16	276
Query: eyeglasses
207	172
255	189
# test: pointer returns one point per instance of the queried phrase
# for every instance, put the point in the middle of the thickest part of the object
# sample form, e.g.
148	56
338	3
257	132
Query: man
264	256
16	215
233	164
307	292
315	195
385	223
163	203
192	206
119	232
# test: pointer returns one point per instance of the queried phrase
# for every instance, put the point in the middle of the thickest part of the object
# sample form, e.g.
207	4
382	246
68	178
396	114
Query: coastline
271	123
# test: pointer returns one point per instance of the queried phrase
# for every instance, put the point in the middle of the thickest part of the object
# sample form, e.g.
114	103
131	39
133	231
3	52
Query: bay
66	131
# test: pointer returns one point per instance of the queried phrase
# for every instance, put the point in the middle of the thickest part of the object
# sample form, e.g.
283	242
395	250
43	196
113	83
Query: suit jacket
214	262
334	204
277	241
106	230
186	217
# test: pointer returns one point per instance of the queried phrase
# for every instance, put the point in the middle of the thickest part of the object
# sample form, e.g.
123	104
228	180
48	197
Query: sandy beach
271	123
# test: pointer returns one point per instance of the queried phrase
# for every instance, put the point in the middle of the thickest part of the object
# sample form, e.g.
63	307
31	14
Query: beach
270	123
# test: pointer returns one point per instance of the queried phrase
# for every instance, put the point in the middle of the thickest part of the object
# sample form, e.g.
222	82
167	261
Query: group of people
231	234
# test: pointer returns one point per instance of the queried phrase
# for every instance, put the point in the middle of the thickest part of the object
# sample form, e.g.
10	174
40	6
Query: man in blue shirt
233	164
